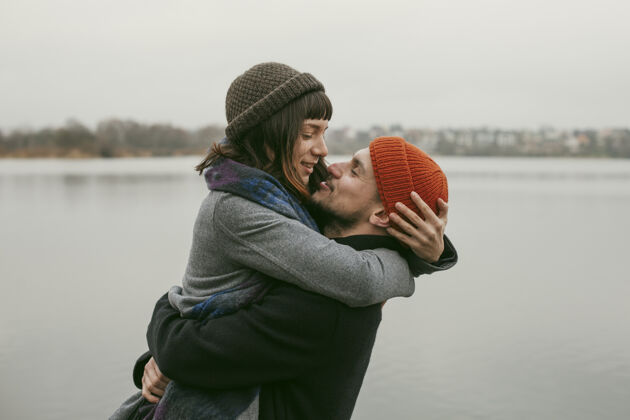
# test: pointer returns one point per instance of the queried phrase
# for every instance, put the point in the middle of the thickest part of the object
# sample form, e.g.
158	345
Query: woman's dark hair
269	145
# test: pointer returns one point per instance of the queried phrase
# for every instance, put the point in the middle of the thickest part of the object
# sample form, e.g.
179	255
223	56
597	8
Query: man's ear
380	218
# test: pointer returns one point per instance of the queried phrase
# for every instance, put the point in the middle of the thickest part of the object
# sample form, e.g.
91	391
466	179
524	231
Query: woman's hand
424	237
153	382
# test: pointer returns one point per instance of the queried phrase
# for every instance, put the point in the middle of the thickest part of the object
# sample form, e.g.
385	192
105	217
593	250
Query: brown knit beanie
262	91
399	168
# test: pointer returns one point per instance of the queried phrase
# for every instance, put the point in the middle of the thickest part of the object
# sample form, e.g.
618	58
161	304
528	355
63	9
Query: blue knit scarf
257	186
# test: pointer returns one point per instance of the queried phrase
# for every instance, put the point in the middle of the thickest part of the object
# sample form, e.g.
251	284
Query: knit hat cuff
271	103
393	176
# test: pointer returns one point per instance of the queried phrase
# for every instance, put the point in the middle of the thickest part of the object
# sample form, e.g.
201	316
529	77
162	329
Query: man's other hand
424	237
153	382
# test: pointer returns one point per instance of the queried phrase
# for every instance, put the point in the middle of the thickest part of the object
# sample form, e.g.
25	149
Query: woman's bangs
318	106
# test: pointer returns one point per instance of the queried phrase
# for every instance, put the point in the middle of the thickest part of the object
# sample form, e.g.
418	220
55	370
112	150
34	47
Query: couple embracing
290	264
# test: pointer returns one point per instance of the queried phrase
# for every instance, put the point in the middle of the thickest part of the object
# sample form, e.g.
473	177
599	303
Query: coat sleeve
138	368
289	332
447	260
285	249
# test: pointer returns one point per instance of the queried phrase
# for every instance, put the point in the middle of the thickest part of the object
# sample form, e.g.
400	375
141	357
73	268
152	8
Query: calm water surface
533	323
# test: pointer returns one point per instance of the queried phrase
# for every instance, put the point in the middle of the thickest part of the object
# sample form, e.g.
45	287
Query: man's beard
330	222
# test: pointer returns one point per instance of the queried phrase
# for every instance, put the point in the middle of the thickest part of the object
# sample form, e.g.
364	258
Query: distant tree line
119	138
111	138
483	141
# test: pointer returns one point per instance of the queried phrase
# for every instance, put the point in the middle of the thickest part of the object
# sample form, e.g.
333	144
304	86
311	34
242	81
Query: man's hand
153	382
424	237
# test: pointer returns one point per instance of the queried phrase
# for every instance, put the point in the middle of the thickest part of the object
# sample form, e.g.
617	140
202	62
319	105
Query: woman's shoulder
221	201
233	209
231	214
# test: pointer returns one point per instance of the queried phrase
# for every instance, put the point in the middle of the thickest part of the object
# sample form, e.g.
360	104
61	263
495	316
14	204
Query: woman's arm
285	249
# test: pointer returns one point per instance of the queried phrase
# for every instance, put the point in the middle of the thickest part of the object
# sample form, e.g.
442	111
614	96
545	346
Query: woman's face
309	147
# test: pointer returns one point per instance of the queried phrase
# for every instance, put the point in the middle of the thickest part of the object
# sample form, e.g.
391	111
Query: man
309	353
361	195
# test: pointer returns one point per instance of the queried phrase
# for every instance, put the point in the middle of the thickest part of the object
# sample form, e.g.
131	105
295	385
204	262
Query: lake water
533	323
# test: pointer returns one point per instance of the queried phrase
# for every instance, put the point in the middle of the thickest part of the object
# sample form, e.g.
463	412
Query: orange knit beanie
399	168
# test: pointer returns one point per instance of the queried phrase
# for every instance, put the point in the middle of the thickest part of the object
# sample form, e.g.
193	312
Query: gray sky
433	63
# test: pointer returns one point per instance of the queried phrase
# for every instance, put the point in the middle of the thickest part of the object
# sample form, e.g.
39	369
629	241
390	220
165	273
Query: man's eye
353	172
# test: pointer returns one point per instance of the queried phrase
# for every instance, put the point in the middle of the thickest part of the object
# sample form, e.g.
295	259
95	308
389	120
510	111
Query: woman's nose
319	148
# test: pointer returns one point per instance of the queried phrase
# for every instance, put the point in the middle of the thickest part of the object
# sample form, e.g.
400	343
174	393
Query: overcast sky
434	63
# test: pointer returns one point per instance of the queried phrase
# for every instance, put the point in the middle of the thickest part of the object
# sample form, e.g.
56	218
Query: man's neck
332	231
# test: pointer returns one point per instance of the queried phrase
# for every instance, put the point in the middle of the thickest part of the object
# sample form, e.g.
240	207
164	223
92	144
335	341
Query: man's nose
334	170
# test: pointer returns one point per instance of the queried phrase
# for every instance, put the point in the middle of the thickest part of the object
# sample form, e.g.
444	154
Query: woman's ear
380	218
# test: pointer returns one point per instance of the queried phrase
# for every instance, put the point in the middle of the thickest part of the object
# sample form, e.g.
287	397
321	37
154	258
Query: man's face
349	195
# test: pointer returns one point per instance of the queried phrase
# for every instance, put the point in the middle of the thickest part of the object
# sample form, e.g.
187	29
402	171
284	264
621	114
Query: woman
250	226
277	119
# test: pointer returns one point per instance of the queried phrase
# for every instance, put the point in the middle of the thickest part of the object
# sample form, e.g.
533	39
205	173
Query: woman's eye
307	136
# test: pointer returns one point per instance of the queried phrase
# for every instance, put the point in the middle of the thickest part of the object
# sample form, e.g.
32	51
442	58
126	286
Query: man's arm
138	368
181	344
287	333
148	377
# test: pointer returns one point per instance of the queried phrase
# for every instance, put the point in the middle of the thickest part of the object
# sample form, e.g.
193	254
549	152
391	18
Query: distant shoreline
78	154
126	138
76	157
